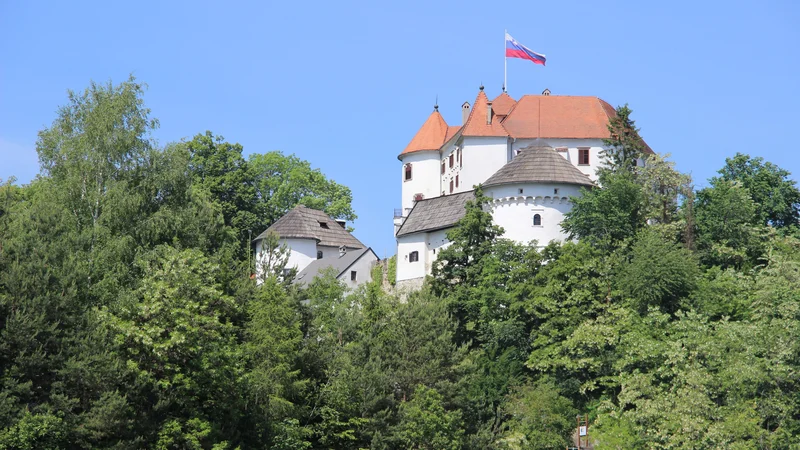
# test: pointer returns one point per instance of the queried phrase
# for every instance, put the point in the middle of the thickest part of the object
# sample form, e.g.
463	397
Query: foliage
624	145
607	216
281	182
776	197
128	317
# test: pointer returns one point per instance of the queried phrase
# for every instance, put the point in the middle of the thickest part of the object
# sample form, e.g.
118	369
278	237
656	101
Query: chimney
464	113
488	113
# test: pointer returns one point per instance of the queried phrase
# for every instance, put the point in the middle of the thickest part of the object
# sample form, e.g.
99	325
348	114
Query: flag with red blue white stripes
516	50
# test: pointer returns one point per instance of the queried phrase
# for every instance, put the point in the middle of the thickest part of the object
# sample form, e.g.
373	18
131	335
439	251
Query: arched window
408	172
537	220
413	256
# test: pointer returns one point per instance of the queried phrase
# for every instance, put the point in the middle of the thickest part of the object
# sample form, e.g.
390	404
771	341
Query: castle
530	155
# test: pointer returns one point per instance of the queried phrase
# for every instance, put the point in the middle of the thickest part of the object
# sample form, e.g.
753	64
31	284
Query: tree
98	138
539	417
659	274
282	182
662	187
272	258
471	239
726	218
425	424
219	168
776	197
608	215
624	145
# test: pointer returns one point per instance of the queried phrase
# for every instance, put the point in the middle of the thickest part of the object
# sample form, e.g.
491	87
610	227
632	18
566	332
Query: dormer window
407	172
323	225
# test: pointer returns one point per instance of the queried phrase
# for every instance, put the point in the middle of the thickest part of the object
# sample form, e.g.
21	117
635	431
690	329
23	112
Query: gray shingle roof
307	223
340	264
435	213
538	164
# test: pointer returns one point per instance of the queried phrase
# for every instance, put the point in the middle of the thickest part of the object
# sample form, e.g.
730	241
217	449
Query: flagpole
505	63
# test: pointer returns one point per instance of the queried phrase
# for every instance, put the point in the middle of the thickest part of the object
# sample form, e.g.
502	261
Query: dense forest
129	317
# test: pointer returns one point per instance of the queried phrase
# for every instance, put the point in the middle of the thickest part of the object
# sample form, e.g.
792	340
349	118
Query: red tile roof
557	116
451	131
503	104
476	122
430	136
533	116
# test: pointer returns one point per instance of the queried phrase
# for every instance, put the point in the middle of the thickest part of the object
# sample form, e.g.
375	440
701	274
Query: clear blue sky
345	85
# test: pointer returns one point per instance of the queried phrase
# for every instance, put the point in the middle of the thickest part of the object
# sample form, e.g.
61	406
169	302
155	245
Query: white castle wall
424	177
483	156
514	211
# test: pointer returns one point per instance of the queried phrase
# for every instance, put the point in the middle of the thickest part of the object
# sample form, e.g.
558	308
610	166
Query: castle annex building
531	155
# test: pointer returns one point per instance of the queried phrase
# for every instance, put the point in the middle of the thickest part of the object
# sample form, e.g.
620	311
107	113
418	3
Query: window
555	191
353	275
408	172
456	180
319	254
458	154
442	167
460	158
451	186
418	197
537	220
451	160
413	256
583	156
323	225
520	191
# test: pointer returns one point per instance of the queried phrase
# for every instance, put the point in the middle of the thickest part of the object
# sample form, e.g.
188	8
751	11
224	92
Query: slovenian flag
516	50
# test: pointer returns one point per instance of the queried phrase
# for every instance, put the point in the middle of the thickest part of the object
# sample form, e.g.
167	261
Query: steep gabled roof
538	165
306	223
340	265
503	104
451	131
435	213
476	122
430	136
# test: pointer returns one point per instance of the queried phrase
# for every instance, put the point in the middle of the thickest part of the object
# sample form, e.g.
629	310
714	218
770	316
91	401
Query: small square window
413	256
319	254
555	191
520	191
353	276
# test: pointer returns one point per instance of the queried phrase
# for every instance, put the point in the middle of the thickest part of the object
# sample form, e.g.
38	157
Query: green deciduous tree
282	182
776	197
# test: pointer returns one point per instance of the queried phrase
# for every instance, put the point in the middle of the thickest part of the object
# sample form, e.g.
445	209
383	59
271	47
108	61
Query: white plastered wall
363	268
407	270
483	156
424	177
514	211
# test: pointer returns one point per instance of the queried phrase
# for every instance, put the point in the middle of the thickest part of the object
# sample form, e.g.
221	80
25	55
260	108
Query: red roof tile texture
477	121
503	104
564	117
533	116
430	136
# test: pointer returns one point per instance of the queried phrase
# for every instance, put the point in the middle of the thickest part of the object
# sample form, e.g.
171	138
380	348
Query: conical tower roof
430	136
538	164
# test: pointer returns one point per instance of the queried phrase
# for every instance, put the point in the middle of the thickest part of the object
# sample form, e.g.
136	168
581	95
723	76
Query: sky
346	84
